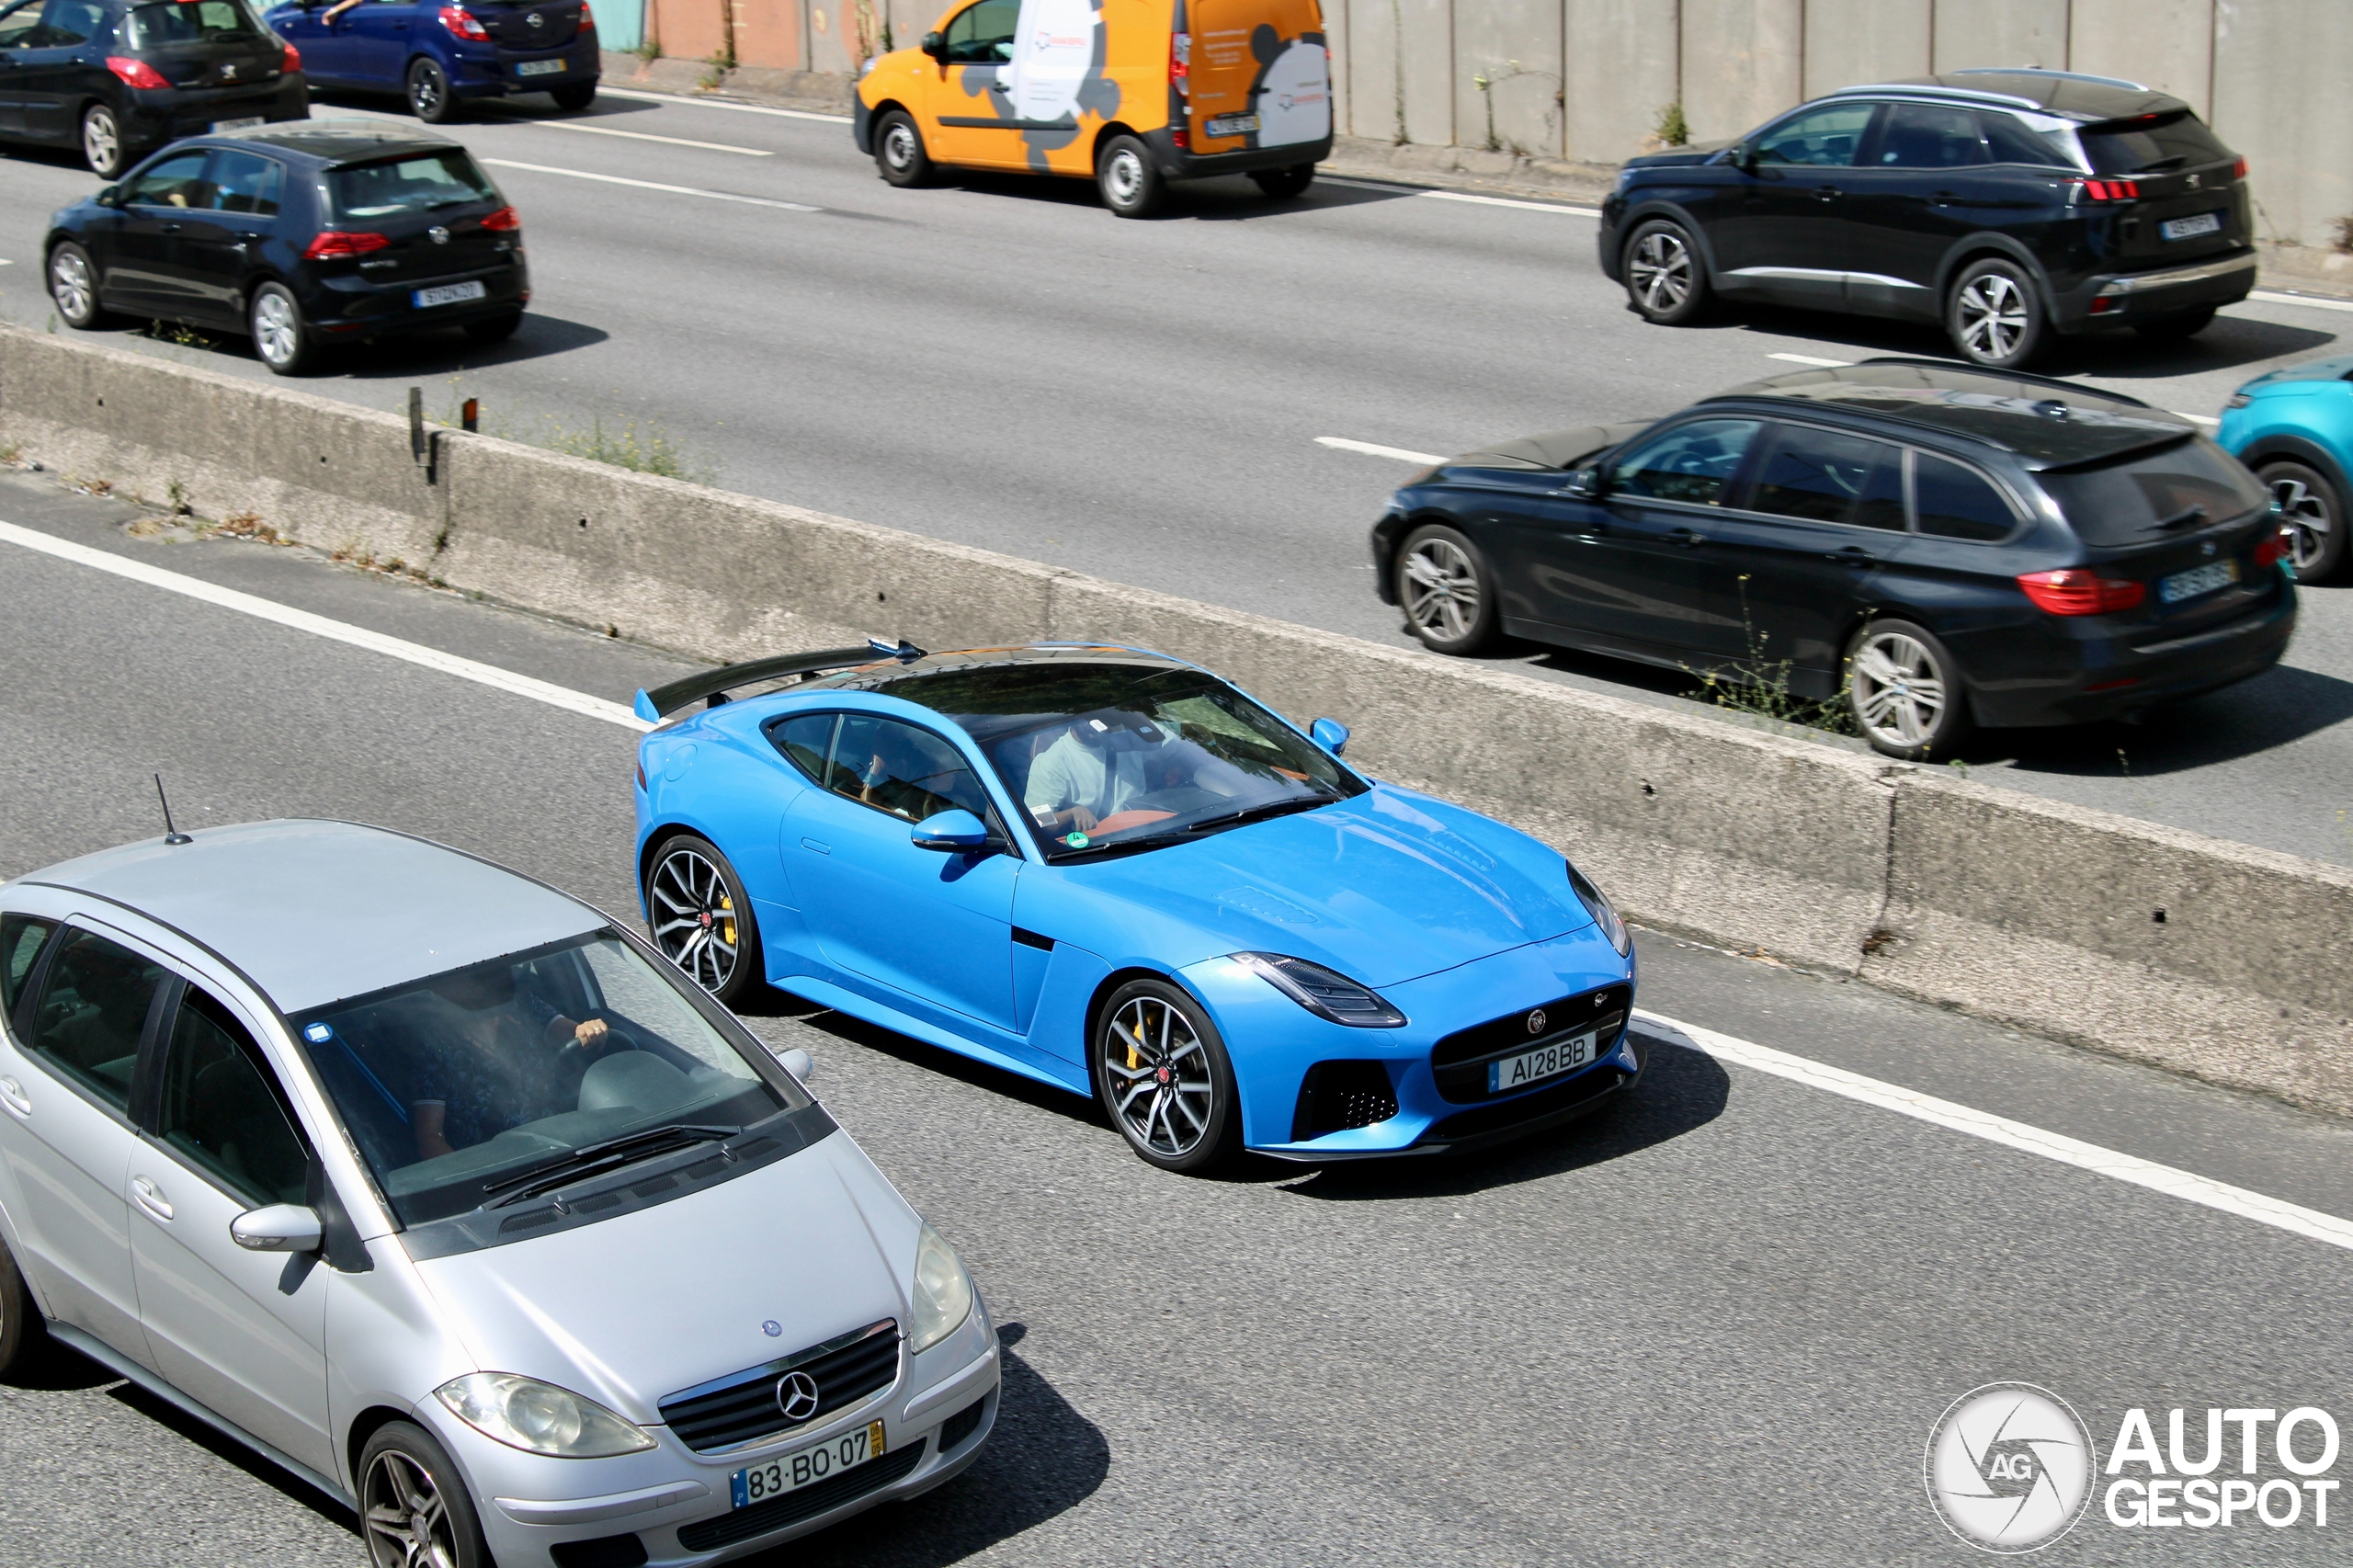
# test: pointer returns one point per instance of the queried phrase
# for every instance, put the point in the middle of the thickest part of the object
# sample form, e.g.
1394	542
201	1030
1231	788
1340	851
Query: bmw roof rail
1936	90
663	701
1926	362
2052	75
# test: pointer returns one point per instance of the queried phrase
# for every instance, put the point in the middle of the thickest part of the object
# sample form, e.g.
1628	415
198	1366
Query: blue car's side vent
1339	1096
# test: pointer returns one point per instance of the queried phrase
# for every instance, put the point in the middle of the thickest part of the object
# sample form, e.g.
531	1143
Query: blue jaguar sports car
1112	870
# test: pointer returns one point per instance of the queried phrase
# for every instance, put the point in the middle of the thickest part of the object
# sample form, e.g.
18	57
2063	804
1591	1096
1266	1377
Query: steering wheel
576	1058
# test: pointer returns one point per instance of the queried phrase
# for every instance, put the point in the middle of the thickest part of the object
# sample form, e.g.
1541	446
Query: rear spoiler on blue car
663	701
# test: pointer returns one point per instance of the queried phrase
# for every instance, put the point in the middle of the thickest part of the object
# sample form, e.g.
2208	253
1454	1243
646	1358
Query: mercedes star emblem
1536	1021
440	236
796	1395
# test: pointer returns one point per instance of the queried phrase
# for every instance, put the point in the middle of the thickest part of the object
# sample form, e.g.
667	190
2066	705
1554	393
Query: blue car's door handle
820	849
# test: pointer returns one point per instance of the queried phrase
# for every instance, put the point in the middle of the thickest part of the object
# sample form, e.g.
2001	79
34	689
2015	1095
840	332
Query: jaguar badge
1536	1021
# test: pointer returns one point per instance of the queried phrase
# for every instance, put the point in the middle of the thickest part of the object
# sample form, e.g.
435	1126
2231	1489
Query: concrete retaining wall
2039	914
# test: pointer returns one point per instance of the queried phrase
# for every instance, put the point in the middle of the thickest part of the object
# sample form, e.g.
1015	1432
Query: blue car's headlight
1605	914
1328	996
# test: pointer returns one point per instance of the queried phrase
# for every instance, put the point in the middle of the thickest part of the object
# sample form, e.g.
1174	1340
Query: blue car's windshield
1106	756
453	1085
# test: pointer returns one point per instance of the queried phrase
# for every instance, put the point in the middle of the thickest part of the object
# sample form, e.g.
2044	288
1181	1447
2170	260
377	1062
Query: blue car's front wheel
700	918
1162	1072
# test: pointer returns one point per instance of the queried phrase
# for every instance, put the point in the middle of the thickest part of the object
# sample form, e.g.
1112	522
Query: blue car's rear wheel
1162	1072
700	918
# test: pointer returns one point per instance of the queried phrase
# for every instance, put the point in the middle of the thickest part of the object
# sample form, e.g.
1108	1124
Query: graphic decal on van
1293	91
1054	77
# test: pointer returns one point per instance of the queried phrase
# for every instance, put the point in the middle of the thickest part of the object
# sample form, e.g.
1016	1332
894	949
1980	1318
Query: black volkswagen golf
2004	204
117	78
1933	546
299	235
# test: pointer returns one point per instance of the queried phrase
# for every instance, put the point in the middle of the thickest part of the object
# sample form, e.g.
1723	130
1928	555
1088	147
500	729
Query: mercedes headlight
540	1418
943	1292
1605	914
1323	993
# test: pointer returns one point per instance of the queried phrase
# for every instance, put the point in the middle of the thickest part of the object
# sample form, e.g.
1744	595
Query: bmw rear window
190	21
415	182
2154	143
2153	495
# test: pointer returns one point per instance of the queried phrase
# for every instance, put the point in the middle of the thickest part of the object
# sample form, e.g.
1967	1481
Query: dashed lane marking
646	136
657	185
2273	297
1371	448
722	103
1811	359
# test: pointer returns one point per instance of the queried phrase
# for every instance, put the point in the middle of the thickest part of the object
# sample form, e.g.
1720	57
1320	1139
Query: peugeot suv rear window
417	182
181	21
2156	143
2178	489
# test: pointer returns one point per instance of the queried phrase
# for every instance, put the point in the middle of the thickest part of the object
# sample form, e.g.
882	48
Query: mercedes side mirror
1329	733
936	46
281	1227
954	832
1583	484
796	1062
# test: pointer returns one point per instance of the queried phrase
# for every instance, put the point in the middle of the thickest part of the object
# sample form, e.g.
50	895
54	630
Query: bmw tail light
293	61
137	74
504	221
2272	550
2079	591
330	244
462	22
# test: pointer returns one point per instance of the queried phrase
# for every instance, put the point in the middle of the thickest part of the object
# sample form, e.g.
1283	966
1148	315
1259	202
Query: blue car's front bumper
1275	1043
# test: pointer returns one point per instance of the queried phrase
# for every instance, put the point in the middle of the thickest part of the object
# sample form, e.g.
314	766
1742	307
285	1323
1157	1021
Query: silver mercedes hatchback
431	1184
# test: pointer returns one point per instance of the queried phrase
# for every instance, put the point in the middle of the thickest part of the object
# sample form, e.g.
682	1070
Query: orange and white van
1132	94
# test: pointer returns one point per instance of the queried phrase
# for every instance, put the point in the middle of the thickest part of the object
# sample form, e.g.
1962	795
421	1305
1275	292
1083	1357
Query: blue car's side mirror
1329	733
954	831
1583	484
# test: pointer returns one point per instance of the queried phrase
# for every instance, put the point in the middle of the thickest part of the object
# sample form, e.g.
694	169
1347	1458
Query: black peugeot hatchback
1933	546
299	235
117	78
2004	204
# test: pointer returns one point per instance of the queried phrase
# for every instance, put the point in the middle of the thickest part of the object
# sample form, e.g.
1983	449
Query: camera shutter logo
796	1395
2009	1467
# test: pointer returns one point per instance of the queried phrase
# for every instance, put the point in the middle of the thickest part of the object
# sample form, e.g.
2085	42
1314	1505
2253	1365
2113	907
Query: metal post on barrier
416	423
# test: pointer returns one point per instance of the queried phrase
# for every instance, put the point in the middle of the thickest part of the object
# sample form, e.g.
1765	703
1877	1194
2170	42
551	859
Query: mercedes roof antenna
171	834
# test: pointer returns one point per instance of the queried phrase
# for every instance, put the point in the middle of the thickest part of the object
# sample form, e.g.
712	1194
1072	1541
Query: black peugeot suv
118	78
2004	204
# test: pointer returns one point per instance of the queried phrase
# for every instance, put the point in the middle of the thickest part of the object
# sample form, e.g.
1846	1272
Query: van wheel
1994	315
1284	183
1905	692
428	93
2177	327
898	150
414	1506
1132	186
103	147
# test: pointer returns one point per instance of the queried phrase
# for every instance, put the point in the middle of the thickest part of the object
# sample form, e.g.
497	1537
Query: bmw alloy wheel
408	1524
1160	1077
1992	315
1900	693
694	918
1660	270
278	332
1441	590
2306	518
71	286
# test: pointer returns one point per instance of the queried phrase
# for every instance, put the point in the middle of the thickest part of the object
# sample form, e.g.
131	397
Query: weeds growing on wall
1759	686
1673	130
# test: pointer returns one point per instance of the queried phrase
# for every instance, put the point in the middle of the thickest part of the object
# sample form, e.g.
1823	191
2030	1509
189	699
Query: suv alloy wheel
1995	316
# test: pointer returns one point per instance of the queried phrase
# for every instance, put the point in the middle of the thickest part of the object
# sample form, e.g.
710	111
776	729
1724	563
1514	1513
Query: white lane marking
320	626
645	136
2272	297
657	185
1373	449
722	103
2129	1169
1810	359
2194	418
1561	206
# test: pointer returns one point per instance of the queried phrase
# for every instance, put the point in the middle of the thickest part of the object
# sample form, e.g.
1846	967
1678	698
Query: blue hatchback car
2294	427
438	56
1111	872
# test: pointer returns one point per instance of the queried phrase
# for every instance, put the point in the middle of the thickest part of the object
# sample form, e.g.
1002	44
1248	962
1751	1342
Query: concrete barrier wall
2039	915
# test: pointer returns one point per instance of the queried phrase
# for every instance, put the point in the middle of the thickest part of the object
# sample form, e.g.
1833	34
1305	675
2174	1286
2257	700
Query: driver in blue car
1093	771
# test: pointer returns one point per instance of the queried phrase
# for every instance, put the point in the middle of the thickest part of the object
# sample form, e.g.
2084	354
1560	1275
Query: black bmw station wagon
1934	546
2005	205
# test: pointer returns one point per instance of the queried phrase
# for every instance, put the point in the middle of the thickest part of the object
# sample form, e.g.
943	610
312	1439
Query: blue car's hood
1383	888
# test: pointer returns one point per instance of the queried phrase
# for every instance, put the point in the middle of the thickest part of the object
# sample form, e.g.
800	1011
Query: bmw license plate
1231	125
792	1471
2191	227
2203	580
246	124
448	294
1535	1066
541	67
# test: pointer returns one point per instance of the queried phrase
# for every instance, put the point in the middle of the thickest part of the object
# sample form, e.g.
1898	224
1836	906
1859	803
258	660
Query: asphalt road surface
1714	1327
1000	362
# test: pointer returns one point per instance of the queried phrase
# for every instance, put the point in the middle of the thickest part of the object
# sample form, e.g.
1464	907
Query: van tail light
331	243
137	74
2272	550
2078	591
1181	61
462	22
2110	190
293	61
504	221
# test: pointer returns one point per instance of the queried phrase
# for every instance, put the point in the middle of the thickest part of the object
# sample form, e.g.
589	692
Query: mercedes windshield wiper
593	1159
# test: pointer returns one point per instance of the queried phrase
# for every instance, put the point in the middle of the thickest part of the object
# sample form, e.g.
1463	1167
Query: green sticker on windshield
1076	840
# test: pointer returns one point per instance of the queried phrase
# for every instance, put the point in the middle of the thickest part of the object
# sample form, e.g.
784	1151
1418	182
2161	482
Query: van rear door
1261	75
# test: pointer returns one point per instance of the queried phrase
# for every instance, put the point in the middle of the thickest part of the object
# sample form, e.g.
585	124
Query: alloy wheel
2306	518
70	285
408	1523
278	332
1441	590
899	146
1661	271
694	918
1159	1076
1993	317
101	139
1125	176
424	94
1899	691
